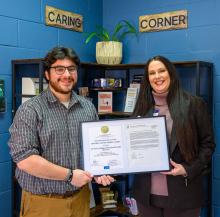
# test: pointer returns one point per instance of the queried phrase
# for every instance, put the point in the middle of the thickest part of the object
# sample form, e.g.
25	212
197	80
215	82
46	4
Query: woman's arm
206	143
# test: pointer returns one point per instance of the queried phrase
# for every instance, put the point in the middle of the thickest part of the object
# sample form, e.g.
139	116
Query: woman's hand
104	180
177	170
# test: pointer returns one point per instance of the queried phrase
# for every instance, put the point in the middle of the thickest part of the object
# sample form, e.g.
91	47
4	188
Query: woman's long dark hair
179	109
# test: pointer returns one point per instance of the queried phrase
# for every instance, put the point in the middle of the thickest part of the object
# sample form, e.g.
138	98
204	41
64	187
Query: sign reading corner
63	19
163	21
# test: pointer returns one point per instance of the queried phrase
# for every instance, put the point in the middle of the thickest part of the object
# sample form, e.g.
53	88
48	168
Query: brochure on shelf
131	98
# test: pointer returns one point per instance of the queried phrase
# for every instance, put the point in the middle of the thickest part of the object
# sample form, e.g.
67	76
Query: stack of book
108	198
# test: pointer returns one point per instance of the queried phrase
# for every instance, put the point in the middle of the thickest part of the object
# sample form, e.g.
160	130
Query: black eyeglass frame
71	69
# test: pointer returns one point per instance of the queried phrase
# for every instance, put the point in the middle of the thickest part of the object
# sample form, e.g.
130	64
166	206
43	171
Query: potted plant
109	48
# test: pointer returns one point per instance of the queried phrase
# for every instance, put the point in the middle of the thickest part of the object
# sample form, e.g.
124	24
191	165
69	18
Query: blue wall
24	35
200	41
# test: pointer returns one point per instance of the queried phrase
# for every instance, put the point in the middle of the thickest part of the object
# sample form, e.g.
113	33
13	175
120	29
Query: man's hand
81	177
177	170
104	180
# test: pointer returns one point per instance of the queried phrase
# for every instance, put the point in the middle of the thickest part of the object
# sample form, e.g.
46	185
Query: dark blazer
182	195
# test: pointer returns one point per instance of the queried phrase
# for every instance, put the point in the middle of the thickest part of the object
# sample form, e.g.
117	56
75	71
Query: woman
179	192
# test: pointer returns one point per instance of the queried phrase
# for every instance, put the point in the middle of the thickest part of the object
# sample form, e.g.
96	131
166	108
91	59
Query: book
2	88
30	86
131	98
105	101
137	78
2	96
84	91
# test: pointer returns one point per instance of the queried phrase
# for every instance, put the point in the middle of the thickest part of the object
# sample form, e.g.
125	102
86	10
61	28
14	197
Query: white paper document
125	146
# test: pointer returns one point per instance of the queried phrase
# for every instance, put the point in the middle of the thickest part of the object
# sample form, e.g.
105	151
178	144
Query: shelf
122	114
108	89
113	67
98	210
25	95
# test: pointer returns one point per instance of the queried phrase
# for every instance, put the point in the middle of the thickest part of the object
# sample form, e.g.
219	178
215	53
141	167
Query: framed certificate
125	146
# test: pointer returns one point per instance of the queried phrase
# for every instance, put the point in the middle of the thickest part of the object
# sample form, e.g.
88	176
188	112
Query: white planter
109	52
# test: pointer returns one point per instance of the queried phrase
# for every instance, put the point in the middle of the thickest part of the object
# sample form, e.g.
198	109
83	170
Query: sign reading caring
63	19
163	21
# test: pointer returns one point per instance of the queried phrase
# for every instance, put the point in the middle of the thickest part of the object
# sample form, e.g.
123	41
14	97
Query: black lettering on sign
164	21
182	19
63	19
58	20
167	21
144	24
152	23
175	20
51	16
78	22
160	22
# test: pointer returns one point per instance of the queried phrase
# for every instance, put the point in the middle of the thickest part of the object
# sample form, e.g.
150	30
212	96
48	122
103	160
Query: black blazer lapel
173	140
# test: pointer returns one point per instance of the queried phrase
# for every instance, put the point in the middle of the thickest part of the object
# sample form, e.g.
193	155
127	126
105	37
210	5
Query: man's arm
36	165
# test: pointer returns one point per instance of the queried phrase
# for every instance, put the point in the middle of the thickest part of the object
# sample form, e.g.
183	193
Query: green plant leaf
121	29
103	33
130	30
90	36
117	29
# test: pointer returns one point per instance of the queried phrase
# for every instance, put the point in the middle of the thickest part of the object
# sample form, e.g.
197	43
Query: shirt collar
52	98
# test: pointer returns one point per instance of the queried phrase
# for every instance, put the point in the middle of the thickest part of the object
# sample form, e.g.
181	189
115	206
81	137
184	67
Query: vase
109	52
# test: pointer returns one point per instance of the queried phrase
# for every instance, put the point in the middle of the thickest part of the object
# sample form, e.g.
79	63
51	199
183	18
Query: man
45	144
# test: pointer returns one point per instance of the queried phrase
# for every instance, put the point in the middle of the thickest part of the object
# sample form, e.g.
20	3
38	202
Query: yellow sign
63	19
163	21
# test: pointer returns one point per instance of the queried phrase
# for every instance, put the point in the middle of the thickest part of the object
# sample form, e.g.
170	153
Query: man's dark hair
60	53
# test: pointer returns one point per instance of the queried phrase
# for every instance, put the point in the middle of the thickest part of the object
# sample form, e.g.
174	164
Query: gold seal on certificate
104	129
125	146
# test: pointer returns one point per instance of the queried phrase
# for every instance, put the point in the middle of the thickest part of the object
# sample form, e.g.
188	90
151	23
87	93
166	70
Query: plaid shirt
44	126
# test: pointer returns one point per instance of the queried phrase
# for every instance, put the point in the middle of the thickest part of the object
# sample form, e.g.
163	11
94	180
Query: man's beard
58	89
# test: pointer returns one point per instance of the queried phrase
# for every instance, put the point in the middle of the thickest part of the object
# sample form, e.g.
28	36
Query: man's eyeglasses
61	69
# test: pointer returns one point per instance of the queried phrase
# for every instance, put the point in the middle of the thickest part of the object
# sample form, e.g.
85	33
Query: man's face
61	79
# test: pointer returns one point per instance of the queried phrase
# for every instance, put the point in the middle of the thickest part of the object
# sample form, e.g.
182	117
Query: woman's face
159	77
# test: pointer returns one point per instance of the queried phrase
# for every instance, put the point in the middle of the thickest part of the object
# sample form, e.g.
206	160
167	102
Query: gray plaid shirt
44	126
